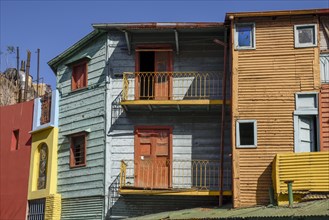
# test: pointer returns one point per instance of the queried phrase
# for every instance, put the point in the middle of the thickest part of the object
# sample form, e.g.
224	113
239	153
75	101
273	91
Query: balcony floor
172	105
172	192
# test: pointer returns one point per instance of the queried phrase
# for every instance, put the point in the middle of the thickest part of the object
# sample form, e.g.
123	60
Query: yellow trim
174	102
49	137
173	192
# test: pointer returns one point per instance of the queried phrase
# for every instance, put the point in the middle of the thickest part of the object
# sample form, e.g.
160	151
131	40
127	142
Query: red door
163	70
152	158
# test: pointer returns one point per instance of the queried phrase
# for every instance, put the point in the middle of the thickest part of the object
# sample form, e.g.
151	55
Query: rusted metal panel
265	81
324	117
309	171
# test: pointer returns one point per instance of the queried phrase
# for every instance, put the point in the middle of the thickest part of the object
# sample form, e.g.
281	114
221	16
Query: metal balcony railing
172	174
171	85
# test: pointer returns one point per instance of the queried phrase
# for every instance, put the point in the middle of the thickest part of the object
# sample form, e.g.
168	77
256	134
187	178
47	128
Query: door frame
154	48
155	127
306	112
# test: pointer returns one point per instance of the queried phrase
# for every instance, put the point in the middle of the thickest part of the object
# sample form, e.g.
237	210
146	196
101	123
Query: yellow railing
171	85
309	171
173	174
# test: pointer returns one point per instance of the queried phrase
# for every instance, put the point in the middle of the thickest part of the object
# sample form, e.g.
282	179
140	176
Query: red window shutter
79	76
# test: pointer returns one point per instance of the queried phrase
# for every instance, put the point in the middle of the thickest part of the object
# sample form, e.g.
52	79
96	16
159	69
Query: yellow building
42	192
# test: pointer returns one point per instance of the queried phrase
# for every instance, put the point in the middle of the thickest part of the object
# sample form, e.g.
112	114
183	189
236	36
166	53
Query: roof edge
53	63
157	25
276	13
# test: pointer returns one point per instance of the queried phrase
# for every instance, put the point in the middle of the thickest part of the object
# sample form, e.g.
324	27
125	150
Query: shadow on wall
264	183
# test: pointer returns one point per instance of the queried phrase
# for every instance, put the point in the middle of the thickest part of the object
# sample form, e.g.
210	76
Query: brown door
163	68
152	158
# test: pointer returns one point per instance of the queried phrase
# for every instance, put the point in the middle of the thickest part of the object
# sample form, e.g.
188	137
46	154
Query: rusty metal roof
159	25
276	13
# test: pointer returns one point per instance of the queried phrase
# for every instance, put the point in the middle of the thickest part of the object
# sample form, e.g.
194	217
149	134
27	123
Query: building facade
195	113
275	95
15	148
43	200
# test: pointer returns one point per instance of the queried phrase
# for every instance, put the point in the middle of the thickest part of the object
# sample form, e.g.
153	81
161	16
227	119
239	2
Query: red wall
324	117
15	164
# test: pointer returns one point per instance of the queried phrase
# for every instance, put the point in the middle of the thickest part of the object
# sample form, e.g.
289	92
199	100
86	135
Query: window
79	76
43	153
324	67
78	150
246	133
244	36
305	35
14	140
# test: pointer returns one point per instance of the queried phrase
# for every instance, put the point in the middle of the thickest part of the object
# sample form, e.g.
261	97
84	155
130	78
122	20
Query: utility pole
28	62
38	76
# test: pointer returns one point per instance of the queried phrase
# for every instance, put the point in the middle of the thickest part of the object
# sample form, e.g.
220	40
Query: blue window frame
244	36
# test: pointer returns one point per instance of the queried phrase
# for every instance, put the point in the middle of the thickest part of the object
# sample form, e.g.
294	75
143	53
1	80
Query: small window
245	36
15	140
305	35
42	179
246	133
78	150
79	76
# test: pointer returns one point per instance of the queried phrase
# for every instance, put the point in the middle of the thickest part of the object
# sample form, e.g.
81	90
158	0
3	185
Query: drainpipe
224	44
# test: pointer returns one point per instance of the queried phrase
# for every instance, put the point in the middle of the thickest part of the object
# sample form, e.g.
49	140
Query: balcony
172	90
173	177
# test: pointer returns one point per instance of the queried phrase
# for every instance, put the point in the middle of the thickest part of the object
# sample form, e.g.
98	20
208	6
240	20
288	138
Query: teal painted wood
83	110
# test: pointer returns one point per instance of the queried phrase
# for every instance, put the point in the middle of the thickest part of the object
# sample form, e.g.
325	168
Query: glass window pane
246	133
244	36
306	35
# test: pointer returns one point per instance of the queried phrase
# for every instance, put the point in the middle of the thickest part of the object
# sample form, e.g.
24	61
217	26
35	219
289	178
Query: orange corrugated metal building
275	90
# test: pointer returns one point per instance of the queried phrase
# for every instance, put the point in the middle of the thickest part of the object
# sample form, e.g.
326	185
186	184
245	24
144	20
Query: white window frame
303	45
238	144
304	112
324	68
236	36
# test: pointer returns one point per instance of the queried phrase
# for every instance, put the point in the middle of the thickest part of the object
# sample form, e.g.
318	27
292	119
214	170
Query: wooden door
152	158
163	68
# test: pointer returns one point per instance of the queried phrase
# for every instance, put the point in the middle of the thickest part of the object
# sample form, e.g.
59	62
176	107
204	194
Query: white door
306	134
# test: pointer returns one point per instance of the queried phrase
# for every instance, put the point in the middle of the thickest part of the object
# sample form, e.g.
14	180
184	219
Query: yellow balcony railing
171	85
172	174
308	171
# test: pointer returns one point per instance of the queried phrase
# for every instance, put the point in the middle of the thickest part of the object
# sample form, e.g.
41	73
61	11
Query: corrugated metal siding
324	108
133	206
265	81
309	171
82	208
79	111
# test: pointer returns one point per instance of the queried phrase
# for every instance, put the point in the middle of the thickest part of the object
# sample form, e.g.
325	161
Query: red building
15	148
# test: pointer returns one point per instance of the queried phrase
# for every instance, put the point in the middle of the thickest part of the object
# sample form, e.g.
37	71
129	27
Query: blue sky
53	26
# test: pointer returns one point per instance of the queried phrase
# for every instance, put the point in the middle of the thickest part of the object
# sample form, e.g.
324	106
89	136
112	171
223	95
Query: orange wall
15	164
264	83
